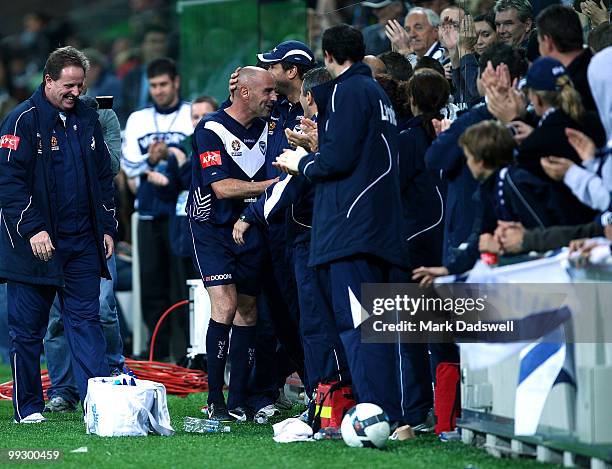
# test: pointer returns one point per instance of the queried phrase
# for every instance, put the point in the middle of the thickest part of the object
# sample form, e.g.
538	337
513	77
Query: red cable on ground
159	322
178	381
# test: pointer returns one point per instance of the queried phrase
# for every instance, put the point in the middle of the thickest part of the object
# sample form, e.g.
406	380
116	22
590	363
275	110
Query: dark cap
295	52
547	74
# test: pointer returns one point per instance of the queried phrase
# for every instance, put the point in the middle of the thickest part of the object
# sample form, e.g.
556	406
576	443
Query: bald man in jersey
229	173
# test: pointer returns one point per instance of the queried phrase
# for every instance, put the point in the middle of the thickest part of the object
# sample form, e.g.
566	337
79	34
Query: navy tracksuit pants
373	367
324	358
28	316
417	368
278	349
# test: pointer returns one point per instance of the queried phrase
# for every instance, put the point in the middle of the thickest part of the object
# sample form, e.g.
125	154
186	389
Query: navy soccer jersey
223	149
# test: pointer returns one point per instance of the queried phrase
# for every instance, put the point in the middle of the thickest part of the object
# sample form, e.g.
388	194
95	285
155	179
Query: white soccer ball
365	425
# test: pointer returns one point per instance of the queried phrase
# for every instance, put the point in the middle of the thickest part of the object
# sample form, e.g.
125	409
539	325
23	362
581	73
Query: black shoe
241	414
427	426
219	412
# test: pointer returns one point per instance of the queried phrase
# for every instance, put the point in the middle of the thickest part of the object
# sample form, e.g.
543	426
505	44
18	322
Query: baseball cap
377	3
547	74
295	52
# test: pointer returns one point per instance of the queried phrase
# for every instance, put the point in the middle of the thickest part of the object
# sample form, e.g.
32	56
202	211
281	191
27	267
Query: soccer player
230	146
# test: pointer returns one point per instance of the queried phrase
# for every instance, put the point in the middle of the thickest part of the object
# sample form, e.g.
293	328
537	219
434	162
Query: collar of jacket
169	110
415	121
322	93
49	114
582	60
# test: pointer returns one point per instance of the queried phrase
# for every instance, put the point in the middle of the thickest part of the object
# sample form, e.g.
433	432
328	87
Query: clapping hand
289	160
584	146
597	13
441	125
556	167
399	38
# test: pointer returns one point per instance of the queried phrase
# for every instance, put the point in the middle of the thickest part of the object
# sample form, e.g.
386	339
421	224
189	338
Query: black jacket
562	207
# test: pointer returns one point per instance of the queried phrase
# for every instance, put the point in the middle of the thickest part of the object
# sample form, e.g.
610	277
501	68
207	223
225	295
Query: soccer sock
217	340
242	357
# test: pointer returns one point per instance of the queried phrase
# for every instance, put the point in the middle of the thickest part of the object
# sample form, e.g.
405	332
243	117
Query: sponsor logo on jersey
210	158
9	141
212	278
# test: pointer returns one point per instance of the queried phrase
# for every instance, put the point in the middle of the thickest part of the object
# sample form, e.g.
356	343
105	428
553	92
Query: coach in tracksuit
356	226
56	227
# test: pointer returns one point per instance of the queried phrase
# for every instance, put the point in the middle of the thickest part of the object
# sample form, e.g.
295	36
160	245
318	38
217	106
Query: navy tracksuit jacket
355	236
56	177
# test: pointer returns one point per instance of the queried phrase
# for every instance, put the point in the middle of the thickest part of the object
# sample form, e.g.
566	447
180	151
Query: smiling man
514	22
421	24
152	137
56	227
228	172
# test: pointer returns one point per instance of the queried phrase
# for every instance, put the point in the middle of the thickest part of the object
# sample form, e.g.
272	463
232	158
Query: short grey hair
523	7
432	16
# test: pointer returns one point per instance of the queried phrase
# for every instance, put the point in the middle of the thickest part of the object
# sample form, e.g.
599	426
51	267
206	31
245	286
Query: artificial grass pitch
247	446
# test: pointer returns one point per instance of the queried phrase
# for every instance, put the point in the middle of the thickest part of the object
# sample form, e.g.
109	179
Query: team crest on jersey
236	145
9	141
54	144
262	147
271	127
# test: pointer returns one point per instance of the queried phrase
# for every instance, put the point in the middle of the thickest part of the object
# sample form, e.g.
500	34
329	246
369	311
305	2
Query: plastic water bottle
195	425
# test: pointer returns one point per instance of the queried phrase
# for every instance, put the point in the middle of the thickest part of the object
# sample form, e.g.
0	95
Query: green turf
248	446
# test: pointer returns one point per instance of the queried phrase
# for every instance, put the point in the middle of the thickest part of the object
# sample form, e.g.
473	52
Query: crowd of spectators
456	40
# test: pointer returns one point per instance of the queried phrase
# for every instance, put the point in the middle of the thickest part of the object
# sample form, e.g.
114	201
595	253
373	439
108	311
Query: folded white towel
291	430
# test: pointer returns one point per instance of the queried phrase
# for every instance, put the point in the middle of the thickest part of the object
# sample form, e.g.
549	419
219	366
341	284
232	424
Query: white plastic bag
119	410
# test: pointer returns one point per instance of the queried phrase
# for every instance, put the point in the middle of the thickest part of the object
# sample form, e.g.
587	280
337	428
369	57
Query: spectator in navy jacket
446	155
423	195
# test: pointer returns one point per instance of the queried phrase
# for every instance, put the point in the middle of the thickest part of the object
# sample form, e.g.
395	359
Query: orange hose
159	322
178	381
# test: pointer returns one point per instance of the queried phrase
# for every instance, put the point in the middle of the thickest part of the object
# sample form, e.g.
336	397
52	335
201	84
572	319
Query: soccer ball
365	425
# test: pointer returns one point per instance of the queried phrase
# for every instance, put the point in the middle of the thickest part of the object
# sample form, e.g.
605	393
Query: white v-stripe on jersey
222	149
250	160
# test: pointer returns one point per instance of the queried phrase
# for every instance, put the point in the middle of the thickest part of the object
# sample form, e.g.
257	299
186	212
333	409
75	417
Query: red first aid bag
332	400
447	397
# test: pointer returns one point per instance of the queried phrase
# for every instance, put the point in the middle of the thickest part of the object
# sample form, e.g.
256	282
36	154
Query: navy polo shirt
69	168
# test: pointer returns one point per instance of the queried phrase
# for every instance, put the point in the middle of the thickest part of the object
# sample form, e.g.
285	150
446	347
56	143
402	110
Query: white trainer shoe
33	418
